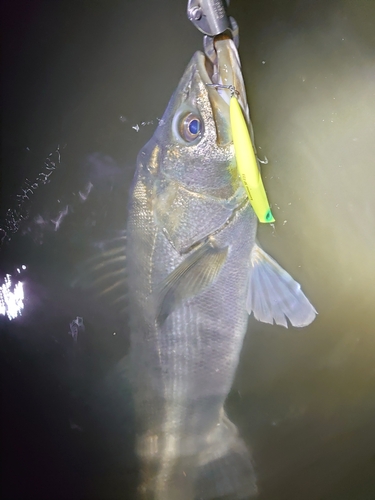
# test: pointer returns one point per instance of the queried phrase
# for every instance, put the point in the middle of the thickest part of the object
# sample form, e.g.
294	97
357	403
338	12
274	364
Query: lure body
247	164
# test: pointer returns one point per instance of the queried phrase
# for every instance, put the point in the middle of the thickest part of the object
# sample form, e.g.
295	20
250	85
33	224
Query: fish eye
190	127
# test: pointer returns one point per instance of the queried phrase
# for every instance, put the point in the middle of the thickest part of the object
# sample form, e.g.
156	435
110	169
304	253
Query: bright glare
11	298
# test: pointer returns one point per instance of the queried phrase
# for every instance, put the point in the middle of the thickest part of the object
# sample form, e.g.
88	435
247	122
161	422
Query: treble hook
231	88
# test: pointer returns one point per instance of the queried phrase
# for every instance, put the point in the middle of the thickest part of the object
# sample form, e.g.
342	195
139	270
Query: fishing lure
247	165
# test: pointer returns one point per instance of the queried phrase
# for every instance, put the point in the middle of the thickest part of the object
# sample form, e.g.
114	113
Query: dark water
77	76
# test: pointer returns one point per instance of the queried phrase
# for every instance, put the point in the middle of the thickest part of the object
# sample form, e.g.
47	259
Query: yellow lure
247	165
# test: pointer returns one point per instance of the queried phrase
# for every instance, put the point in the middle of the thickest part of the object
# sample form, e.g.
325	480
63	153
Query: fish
195	273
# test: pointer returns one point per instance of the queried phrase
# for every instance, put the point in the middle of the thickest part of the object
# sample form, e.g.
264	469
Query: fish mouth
226	71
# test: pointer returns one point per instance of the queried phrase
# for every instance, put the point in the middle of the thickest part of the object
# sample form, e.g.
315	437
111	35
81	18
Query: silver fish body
191	255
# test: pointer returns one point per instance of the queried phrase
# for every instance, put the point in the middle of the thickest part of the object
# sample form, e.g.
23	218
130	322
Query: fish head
194	140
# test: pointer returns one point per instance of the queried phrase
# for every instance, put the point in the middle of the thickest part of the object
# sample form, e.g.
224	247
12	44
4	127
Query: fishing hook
231	88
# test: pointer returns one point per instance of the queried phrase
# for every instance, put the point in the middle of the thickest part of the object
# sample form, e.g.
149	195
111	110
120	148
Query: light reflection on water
11	297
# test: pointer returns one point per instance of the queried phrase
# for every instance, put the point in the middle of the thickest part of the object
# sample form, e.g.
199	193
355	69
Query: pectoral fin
273	295
191	277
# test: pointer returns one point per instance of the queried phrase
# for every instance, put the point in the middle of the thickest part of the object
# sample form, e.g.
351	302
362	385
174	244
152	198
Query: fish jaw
226	72
207	164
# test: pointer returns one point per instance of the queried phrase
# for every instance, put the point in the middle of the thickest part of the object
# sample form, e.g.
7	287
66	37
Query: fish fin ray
191	277
274	296
104	273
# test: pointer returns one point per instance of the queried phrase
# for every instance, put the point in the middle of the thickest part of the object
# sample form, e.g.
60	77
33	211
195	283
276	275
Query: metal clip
209	16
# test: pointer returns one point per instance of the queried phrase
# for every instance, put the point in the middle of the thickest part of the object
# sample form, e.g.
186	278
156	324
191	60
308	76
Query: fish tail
227	472
167	482
222	470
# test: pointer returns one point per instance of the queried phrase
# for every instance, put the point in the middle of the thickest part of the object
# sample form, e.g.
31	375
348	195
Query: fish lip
203	62
227	69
